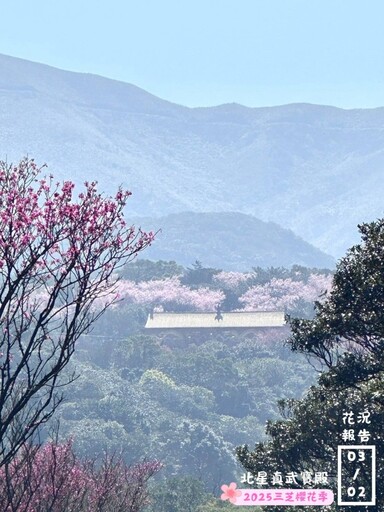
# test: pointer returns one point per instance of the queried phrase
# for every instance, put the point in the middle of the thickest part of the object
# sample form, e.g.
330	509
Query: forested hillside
188	406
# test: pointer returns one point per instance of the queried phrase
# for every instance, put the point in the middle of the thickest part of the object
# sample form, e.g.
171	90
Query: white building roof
242	320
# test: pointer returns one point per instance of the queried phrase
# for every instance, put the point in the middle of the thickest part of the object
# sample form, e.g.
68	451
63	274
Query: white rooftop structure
232	320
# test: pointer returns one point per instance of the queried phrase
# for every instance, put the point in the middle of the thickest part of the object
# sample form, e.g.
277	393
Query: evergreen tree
346	337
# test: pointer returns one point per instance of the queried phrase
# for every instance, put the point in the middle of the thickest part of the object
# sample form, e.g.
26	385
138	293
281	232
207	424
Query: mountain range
316	170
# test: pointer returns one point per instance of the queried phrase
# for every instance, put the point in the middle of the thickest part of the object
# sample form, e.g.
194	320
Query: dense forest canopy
188	405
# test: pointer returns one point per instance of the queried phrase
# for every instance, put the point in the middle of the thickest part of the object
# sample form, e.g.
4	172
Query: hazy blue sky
207	52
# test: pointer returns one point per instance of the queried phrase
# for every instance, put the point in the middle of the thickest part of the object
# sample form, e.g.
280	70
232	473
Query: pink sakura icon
230	492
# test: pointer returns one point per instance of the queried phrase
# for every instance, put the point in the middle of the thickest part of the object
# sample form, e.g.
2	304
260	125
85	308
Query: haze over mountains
229	240
314	169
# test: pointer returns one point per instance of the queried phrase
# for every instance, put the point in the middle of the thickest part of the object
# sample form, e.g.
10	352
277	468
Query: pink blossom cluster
52	478
45	235
274	295
170	290
280	294
40	222
231	280
161	292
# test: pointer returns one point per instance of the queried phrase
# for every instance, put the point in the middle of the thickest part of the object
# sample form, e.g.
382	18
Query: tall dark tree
348	329
346	337
198	275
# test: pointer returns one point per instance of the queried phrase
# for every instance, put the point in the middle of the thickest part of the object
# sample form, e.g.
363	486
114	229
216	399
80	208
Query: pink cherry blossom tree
169	292
57	256
284	294
52	478
231	280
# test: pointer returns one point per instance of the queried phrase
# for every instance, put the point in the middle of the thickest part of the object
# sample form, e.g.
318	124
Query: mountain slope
316	170
230	241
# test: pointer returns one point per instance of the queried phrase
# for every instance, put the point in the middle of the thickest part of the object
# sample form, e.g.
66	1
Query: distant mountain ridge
229	241
314	169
